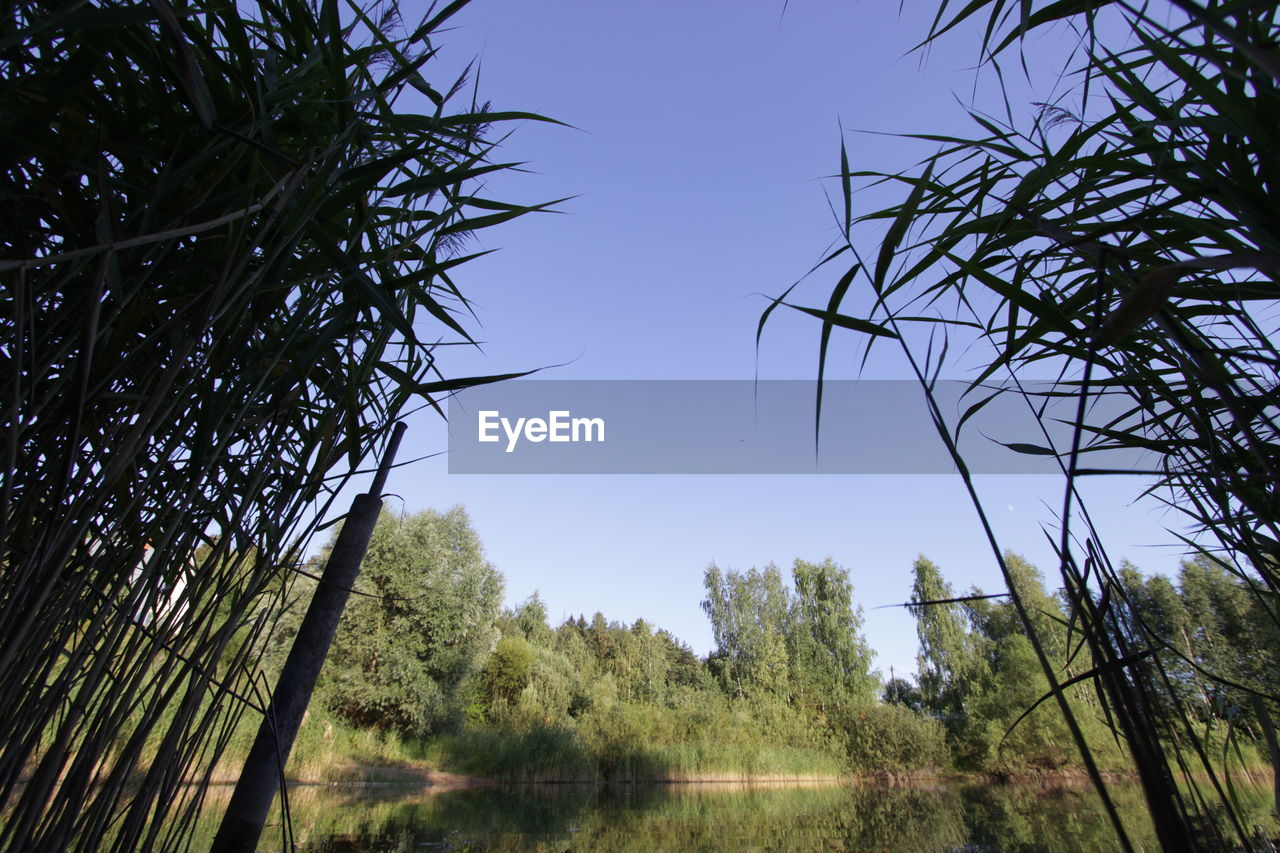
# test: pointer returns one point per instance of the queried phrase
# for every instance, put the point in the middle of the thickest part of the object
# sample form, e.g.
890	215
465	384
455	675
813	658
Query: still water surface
796	819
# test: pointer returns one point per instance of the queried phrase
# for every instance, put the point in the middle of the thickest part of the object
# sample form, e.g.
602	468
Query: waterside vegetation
429	672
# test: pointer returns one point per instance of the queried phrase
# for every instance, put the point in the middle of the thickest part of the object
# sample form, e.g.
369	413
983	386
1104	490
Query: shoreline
436	780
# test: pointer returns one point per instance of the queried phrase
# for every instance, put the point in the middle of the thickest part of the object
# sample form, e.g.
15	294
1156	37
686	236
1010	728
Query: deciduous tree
424	619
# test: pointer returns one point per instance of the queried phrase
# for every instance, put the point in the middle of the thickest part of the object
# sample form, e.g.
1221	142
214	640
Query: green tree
684	669
1003	733
506	673
901	691
803	644
599	637
749	615
830	660
1155	618
950	665
979	673
1231	637
424	620
998	736
529	620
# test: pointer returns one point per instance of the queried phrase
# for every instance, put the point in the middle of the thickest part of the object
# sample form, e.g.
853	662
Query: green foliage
803	644
894	739
506	673
601	699
529	621
951	667
900	691
829	657
604	700
421	623
1233	638
1154	620
1038	741
749	616
521	749
1210	638
701	735
980	675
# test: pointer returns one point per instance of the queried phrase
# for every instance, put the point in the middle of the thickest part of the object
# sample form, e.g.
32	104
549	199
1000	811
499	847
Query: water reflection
564	818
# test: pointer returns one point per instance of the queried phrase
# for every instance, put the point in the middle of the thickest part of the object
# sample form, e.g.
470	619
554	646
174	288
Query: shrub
892	739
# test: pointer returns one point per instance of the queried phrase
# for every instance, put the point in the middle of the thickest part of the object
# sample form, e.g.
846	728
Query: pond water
797	819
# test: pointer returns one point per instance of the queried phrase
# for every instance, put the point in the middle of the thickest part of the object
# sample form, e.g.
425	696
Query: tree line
426	651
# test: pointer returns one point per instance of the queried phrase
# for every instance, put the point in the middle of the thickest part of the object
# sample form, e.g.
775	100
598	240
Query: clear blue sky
704	131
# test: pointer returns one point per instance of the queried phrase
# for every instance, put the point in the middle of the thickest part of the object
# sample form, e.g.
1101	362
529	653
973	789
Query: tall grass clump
1123	237
227	251
641	742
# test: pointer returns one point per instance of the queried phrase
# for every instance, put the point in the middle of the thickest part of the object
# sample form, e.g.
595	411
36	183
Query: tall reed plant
1124	238
228	236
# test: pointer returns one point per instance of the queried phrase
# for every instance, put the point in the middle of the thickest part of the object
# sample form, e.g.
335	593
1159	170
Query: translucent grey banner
767	427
